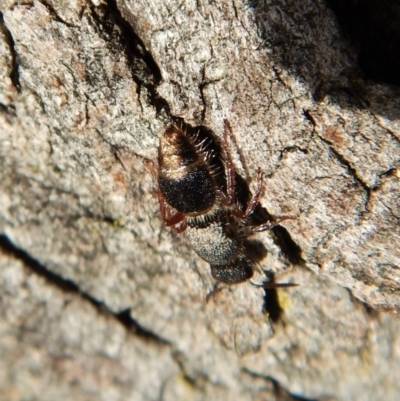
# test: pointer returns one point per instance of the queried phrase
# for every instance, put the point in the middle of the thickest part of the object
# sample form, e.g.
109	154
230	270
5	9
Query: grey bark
99	300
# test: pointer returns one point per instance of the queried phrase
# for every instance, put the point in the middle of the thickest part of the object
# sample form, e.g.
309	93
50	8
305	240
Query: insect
199	197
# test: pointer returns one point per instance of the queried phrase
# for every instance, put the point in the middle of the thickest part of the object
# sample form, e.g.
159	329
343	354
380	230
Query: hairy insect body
185	178
219	242
214	241
193	200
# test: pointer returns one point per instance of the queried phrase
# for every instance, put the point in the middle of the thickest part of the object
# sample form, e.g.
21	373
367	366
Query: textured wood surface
98	299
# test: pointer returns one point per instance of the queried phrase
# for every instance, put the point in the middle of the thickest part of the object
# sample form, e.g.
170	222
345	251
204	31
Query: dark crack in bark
14	75
55	15
281	394
145	71
352	171
68	286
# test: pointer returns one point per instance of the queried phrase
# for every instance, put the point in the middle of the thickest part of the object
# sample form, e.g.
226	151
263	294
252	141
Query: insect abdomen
237	271
211	242
193	192
185	177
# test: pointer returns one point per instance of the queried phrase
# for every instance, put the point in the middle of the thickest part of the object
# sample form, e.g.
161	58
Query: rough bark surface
100	301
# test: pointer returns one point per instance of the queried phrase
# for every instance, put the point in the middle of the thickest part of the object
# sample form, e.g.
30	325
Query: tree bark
99	299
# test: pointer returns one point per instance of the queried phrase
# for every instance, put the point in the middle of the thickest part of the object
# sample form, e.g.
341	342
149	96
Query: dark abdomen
193	192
